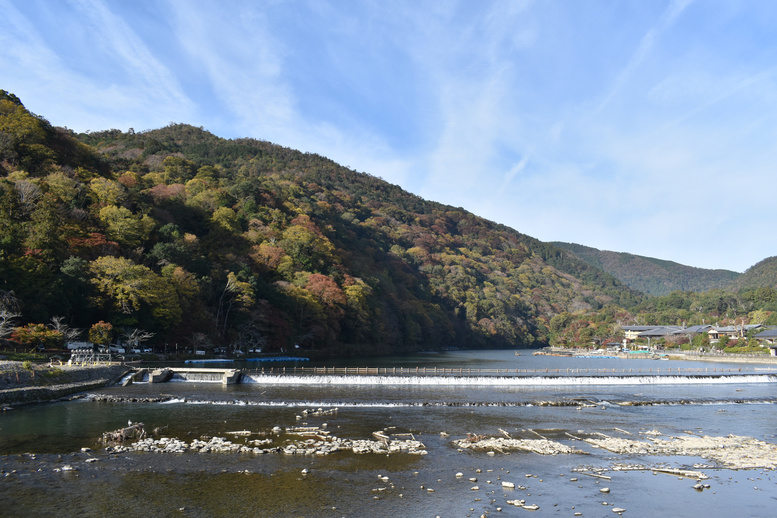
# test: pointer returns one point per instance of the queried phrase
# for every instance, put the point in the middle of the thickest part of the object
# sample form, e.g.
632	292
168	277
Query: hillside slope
649	275
207	241
761	275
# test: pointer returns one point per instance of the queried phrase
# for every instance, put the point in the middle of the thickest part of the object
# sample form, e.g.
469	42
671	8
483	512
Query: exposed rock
736	452
323	445
503	444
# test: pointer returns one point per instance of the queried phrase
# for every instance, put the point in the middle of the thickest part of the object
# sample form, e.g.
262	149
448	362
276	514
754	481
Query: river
561	400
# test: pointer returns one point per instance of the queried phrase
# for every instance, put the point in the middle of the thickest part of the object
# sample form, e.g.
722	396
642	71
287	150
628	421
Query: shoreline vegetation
668	354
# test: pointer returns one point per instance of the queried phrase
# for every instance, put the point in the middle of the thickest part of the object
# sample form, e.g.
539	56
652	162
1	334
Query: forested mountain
748	299
649	275
203	240
761	275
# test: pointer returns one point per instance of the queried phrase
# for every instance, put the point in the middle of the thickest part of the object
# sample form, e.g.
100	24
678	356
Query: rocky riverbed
475	475
303	440
732	451
504	444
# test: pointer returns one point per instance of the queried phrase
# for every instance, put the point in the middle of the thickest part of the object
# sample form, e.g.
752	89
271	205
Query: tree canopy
197	238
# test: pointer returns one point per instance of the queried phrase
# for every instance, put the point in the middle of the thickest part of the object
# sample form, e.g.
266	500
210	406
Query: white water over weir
223	376
461	371
511	381
198	377
421	376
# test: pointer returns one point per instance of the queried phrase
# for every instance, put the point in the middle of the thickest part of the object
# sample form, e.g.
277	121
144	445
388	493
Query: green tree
120	283
67	189
25	138
10	219
179	169
310	251
45	236
358	313
701	341
759	316
225	219
124	227
108	192
559	322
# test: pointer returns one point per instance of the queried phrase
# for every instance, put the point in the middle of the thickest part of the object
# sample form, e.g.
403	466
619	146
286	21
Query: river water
560	399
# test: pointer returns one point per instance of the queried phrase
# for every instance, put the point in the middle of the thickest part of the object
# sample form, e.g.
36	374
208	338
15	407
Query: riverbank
25	382
427	472
724	358
651	444
664	354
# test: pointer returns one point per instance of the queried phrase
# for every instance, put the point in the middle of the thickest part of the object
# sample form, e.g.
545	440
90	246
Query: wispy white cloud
145	92
646	45
469	63
132	53
243	56
592	122
514	170
232	49
706	93
22	45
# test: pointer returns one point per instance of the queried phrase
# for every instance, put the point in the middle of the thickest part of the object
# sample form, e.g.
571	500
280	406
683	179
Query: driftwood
130	432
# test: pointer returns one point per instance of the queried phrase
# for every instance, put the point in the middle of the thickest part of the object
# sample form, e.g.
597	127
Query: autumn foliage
249	244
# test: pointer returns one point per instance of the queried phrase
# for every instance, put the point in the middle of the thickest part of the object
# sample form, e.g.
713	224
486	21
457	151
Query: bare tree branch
69	333
137	336
9	312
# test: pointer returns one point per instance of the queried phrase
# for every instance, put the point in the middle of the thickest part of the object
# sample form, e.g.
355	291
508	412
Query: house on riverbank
671	333
768	338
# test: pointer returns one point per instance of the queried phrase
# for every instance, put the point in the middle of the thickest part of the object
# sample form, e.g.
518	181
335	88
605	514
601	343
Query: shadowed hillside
649	275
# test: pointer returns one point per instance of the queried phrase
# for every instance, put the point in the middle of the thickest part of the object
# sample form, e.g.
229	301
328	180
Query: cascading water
517	381
198	377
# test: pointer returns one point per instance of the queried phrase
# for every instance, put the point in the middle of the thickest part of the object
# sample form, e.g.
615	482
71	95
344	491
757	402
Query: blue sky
641	126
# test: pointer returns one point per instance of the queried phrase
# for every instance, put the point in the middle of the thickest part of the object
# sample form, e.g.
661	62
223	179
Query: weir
514	381
465	371
223	376
363	376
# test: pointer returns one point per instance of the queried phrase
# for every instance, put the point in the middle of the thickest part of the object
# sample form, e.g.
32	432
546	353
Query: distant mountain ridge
654	276
761	275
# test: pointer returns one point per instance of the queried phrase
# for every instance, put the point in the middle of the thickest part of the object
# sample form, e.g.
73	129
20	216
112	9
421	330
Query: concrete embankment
22	383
